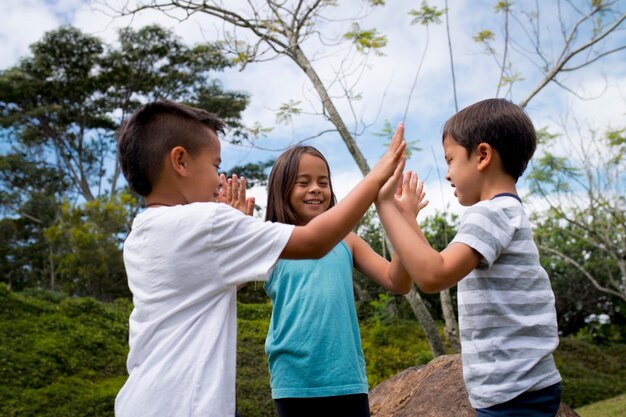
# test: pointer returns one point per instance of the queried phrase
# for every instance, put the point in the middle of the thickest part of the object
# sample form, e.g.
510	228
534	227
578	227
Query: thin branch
565	58
456	102
583	271
593	60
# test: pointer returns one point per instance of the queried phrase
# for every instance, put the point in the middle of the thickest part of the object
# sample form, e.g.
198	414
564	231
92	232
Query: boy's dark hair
282	179
500	123
152	131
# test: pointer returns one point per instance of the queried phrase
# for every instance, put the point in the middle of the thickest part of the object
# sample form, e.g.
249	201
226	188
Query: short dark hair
152	131
282	179
503	125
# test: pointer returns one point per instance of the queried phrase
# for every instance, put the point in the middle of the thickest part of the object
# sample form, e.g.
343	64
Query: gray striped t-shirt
507	316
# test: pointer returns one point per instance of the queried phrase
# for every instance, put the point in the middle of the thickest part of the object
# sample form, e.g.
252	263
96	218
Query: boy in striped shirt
506	307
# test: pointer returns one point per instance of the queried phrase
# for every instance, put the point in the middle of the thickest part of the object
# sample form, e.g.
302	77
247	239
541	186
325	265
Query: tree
64	102
586	35
586	214
59	110
558	244
282	28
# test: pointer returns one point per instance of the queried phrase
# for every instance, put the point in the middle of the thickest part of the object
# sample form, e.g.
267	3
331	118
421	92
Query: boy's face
203	178
462	172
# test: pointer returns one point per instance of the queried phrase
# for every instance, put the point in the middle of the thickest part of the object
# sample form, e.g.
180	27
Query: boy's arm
409	198
432	271
321	234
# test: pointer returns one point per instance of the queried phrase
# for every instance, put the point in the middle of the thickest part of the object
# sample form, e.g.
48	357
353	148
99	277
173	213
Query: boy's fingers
414	181
400	189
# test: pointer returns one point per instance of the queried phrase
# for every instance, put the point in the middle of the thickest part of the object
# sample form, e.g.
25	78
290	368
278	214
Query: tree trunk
416	302
452	326
426	320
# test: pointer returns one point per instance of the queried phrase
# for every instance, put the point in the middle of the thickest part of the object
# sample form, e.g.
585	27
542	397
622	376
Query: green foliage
552	173
59	109
484	36
387	133
254	397
552	232
60	356
86	244
426	15
66	357
286	111
391	348
366	39
590	373
503	6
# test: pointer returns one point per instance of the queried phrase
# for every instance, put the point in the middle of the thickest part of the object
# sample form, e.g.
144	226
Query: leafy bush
590	373
63	356
60	356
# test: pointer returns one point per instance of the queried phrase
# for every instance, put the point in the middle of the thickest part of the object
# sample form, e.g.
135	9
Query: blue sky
384	84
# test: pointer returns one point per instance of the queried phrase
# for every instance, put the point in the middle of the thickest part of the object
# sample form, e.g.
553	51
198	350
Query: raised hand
409	196
233	193
395	156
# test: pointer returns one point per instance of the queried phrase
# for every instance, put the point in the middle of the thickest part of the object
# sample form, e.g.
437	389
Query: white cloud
389	76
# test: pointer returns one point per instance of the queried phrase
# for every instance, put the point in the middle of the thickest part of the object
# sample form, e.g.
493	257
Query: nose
448	176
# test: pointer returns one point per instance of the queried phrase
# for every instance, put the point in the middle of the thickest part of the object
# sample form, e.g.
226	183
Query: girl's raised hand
395	155
409	197
233	193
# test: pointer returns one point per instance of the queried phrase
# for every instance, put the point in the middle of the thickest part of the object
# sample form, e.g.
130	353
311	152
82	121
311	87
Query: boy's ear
178	160
484	151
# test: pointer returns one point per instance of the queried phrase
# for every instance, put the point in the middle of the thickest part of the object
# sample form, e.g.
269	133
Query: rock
434	390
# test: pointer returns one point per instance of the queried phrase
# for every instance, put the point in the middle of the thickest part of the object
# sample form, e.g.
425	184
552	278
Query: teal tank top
313	343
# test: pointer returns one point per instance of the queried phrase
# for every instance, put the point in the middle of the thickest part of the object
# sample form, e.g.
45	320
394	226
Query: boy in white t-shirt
507	316
187	253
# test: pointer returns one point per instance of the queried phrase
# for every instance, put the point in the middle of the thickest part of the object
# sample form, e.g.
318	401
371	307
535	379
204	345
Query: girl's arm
432	271
320	235
409	199
390	275
233	193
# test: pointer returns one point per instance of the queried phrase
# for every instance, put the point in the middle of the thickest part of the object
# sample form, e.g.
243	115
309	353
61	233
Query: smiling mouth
313	202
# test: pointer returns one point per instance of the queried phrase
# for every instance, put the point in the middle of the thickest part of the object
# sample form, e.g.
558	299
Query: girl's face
311	193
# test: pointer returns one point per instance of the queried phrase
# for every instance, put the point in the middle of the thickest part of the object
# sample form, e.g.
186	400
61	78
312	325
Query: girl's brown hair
281	182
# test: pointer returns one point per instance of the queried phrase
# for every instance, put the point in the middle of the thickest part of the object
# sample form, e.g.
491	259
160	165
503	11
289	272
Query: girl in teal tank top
313	342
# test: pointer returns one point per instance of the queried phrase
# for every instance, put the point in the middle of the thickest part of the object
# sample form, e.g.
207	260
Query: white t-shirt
183	265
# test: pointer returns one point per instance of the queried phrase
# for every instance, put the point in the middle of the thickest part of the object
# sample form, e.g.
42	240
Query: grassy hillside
65	357
613	407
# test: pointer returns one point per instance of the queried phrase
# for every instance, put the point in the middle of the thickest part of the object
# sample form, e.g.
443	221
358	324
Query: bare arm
321	234
432	271
390	275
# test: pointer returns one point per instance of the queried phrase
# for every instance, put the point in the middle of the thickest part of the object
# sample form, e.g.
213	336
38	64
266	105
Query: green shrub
63	356
590	373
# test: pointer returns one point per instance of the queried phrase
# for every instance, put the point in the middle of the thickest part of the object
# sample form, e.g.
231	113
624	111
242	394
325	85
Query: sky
382	83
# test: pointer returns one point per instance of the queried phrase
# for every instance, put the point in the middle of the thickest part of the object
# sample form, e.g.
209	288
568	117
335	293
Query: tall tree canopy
59	178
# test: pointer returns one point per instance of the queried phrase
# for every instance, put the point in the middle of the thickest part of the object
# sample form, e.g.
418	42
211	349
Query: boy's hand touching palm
409	196
235	194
